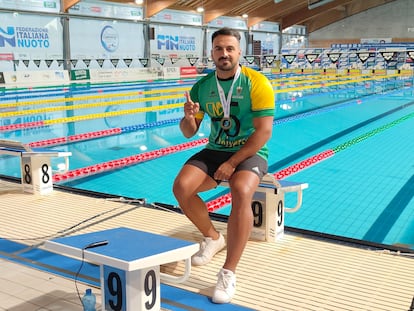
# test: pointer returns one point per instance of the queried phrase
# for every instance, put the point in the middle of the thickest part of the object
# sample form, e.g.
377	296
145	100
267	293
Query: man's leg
243	186
190	181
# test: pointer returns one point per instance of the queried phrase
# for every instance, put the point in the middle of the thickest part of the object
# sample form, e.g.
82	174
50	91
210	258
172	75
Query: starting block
269	208
35	165
129	264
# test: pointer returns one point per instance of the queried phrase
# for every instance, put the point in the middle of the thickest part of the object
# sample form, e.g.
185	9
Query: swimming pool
348	137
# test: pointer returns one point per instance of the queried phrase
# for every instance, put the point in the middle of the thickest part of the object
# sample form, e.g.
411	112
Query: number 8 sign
130	290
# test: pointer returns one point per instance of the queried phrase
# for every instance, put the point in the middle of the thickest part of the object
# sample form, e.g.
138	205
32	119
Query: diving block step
129	262
269	208
35	165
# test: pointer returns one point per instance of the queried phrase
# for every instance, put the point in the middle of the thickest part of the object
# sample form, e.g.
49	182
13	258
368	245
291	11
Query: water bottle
89	300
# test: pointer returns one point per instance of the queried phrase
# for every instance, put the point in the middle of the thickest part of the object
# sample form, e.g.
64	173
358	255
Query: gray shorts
209	160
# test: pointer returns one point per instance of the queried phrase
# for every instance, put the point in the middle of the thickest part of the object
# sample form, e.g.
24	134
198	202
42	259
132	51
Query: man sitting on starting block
240	103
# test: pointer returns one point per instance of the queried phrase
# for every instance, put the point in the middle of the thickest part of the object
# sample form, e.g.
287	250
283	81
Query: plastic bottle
89	300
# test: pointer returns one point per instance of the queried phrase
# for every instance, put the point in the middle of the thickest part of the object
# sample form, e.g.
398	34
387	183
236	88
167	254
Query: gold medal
225	123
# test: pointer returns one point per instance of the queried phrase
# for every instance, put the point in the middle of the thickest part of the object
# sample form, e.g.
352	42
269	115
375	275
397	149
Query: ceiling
286	12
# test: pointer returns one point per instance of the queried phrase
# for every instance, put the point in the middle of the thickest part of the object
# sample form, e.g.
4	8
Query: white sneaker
208	248
225	288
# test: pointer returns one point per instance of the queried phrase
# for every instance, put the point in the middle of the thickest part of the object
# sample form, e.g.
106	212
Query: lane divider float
124	162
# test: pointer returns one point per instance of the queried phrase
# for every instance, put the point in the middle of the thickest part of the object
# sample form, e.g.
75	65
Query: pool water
364	191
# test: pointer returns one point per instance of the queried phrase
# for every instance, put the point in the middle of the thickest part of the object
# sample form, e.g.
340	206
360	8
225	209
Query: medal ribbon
225	102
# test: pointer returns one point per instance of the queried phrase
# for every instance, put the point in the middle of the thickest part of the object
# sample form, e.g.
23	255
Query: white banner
51	6
31	37
119	75
107	9
38	77
178	17
93	39
267	26
376	40
174	45
226	21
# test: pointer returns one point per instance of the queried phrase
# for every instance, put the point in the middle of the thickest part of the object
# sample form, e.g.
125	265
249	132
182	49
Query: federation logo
109	39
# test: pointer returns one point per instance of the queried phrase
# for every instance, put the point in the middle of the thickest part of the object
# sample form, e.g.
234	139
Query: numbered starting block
269	208
35	165
129	264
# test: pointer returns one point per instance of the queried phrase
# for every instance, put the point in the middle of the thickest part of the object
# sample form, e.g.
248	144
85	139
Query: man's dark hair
226	32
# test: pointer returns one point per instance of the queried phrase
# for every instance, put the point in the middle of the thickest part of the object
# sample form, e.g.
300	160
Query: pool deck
297	273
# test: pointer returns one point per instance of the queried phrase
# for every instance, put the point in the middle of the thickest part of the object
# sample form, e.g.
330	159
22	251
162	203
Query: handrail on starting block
286	186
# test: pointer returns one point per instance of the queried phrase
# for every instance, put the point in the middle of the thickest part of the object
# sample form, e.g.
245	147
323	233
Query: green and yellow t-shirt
252	97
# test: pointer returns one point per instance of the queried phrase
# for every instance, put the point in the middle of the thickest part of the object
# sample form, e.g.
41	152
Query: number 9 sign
131	290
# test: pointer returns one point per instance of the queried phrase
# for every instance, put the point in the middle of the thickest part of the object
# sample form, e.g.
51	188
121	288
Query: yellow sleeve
262	94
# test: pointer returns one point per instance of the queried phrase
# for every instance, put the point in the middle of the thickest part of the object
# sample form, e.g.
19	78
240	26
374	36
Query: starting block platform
35	165
129	262
269	208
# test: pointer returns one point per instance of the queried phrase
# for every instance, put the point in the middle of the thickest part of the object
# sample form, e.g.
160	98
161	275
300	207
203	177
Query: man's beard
227	66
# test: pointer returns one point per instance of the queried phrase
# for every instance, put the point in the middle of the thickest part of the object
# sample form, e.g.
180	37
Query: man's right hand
189	124
190	108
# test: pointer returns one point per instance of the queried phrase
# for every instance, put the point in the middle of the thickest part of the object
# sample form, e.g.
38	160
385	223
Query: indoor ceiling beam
216	8
301	16
274	11
153	7
355	7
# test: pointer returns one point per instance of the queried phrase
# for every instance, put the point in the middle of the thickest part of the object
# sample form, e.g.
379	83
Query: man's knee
178	186
244	186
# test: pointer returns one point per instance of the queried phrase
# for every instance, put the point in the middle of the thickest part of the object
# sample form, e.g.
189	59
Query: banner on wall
231	22
178	17
80	74
376	40
100	40
51	6
6	56
107	9
31	37
267	26
173	44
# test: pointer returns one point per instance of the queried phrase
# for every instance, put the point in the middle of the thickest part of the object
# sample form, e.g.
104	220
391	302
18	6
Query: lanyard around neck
225	102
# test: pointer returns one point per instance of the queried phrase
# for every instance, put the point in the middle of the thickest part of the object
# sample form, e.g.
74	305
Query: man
240	103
